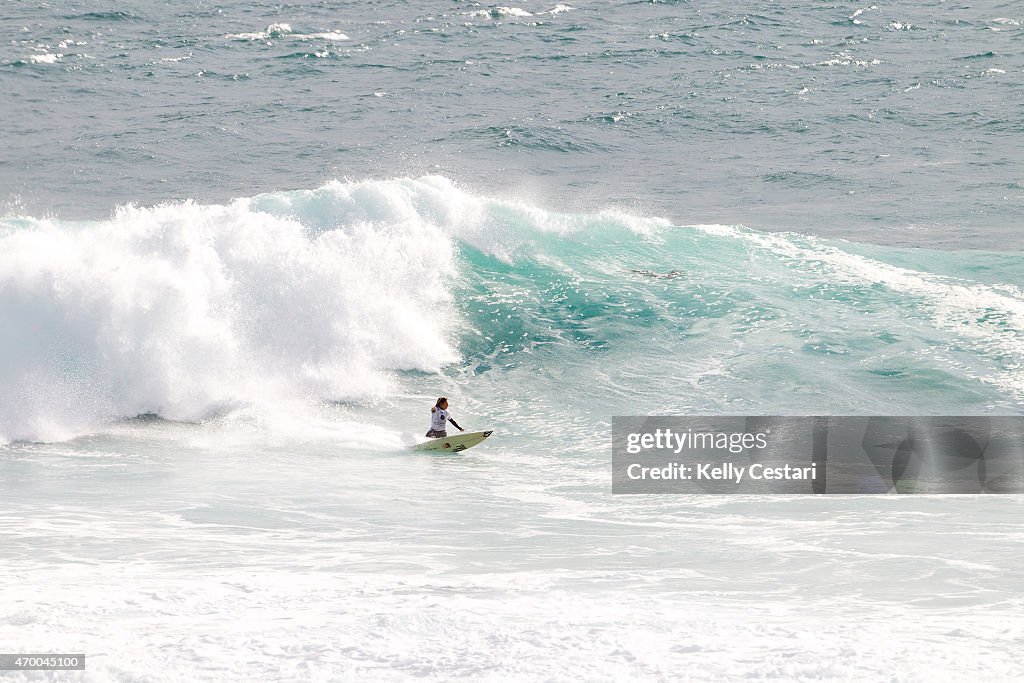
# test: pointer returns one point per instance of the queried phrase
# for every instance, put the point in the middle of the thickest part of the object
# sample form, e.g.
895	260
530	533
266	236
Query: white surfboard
453	443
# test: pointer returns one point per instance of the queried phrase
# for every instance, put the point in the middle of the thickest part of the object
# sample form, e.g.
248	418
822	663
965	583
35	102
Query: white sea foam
512	12
182	308
272	31
500	12
327	35
846	59
861	11
282	31
48	58
168	60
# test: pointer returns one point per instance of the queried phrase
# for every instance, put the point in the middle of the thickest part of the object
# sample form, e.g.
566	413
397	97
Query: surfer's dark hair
439	402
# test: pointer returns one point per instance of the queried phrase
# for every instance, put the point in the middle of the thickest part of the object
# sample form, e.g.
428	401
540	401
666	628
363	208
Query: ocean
244	246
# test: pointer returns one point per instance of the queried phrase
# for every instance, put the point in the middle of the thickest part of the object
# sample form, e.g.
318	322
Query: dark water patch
113	15
573	58
536	138
144	418
377	65
980	55
801	179
1004	125
888	372
689	38
763	21
222	76
305	54
775	128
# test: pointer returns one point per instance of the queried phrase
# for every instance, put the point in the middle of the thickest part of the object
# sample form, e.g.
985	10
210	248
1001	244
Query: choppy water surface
246	246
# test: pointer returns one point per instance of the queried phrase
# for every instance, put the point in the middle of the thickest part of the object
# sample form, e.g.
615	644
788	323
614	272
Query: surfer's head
442	403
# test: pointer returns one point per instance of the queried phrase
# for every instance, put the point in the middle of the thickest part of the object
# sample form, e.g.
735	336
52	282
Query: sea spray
182	309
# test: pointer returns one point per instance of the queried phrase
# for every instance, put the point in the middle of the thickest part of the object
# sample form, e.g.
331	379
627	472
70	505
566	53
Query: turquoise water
244	248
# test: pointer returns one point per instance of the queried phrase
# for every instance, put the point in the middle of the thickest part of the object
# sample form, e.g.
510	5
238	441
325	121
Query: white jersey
438	420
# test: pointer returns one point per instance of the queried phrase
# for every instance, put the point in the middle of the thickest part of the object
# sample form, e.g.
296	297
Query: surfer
439	417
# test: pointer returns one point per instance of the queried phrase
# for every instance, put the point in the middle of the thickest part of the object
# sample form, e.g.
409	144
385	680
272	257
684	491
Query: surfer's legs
433	434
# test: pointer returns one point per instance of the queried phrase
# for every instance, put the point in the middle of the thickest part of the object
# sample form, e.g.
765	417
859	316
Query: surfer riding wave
439	418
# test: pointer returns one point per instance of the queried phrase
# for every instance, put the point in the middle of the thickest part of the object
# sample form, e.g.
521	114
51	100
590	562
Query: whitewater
244	247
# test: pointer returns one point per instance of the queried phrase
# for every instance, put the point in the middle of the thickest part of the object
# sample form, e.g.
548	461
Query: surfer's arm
456	424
